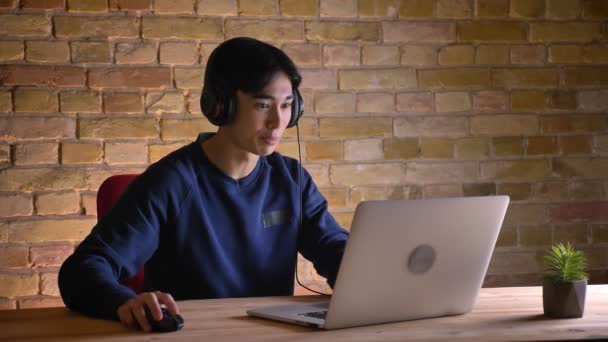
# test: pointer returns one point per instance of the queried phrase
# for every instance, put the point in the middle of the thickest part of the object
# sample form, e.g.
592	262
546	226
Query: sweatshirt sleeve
117	247
321	240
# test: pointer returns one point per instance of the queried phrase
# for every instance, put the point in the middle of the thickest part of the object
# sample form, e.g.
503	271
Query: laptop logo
421	259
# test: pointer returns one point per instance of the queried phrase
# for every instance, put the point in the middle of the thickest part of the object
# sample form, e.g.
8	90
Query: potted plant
564	282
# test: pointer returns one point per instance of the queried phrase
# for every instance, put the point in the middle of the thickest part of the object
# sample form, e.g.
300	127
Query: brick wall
404	99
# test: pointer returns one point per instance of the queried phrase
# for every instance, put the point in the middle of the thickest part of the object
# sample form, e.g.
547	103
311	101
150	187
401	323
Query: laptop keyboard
315	314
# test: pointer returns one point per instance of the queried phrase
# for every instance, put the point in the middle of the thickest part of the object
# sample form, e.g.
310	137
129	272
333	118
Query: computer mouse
168	323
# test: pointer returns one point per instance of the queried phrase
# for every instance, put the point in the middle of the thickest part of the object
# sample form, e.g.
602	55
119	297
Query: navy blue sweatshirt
201	234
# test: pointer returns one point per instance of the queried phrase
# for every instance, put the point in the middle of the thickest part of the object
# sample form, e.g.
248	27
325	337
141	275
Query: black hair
247	64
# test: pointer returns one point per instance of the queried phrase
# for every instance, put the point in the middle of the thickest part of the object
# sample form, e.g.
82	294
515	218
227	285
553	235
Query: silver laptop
405	260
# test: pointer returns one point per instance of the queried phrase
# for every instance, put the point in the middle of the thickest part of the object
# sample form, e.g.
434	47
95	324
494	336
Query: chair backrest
109	192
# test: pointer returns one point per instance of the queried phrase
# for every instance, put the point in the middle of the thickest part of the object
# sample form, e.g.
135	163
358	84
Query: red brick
42	4
6	4
38	75
595	9
149	78
14	257
341	55
301	54
39	302
7	303
37	128
490	101
596	212
400	32
414	102
15	205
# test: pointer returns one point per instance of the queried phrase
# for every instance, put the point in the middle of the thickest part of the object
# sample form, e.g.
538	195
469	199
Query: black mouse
168	323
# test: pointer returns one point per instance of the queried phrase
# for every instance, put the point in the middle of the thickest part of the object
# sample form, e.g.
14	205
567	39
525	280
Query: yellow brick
478	189
345	220
491	31
541	145
563	9
24	25
415	8
178	6
136	53
37	128
492	54
117	128
535	235
573	123
586	190
578	144
515	170
188	78
160	103
363	150
512	262
49	286
527	8
454	9
380	55
96	27
517	191
564	32
341	55
580	167
597	54
41	179
299	8
417	32
87	5
122	103
537	77
441	172
257	7
290	149
339	31
175	129
308	129
58	203
126	152
507	237
336	197
405	192
452	102
526	214
214	7
6	101
36	153
80	153
504	125
80	101
156	152
16	285
400	148
442	190
563	99
11	51
528	54
375	103
458	77
527	100
282	30
334	103
50	230
324	150
432	126
595	9
565	54
377	8
15	205
364	193
338	8
595	76
456	55
377	79
508	146
90	52
366	174
303	54
492	8
178	53
355	127
437	148
418	55
182	28
472	148
34	100
37	51
574	233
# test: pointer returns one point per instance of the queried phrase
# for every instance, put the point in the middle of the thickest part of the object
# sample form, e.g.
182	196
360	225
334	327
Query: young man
220	217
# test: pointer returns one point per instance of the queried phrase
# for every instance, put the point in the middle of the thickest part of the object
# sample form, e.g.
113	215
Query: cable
301	224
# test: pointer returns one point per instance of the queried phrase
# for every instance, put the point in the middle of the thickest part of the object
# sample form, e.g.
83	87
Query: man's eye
261	105
286	105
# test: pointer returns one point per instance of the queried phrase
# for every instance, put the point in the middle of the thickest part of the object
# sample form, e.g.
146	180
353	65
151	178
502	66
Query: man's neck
226	156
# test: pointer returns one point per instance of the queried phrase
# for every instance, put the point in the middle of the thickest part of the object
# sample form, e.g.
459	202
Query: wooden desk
513	314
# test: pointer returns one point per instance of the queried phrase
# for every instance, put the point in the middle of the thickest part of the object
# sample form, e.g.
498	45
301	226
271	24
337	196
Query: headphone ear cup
297	108
229	108
209	106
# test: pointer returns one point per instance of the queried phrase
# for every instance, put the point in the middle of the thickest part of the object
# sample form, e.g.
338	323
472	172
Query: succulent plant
564	264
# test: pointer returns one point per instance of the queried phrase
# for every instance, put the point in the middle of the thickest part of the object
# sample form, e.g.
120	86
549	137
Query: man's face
262	118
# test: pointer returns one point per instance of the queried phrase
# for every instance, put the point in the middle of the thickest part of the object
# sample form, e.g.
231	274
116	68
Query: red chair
109	192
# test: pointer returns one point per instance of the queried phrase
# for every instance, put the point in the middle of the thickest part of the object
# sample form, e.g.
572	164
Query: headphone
220	109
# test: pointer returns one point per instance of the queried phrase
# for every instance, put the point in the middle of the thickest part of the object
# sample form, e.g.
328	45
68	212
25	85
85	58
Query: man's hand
132	313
